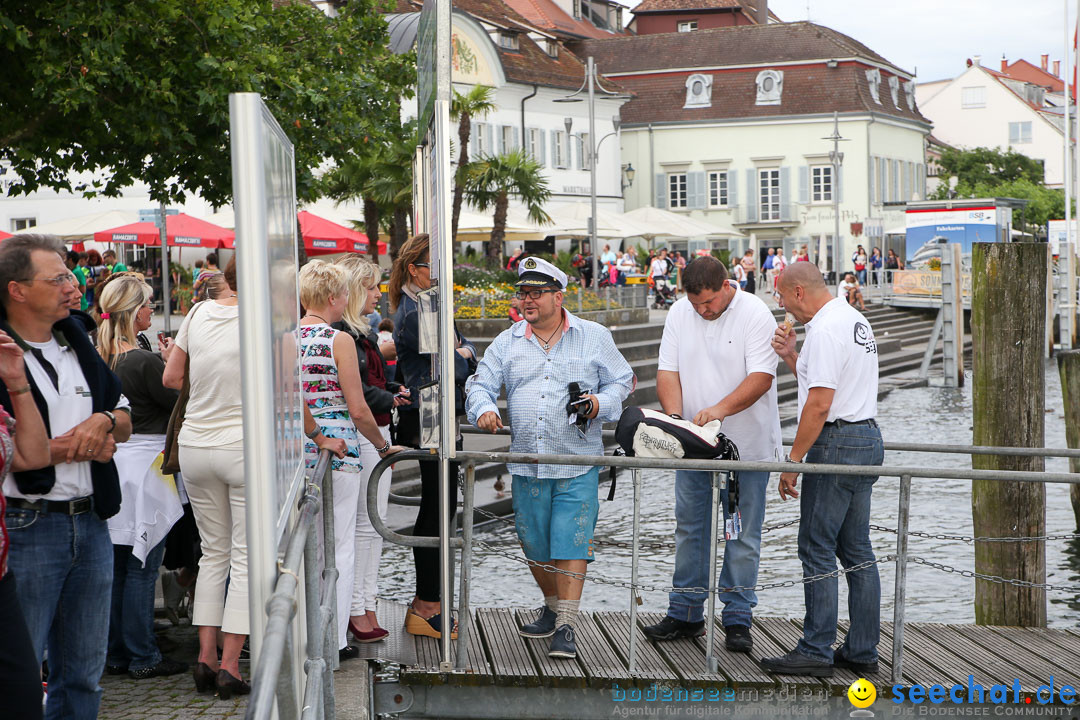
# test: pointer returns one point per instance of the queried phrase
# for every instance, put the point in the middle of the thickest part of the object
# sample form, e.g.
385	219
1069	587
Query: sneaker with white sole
543	626
562	643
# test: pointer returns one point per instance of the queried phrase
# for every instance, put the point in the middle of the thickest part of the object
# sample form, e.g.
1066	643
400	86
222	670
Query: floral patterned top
7	454
324	397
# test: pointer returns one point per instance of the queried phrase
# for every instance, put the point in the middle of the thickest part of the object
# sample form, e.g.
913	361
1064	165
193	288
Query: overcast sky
937	36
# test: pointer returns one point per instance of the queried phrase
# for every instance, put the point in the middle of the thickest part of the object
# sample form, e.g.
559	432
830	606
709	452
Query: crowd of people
93	420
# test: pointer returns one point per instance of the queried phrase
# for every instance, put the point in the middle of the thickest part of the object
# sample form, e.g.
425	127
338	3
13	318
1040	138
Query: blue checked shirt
536	390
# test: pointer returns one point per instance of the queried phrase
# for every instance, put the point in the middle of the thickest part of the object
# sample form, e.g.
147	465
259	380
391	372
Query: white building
986	108
729	125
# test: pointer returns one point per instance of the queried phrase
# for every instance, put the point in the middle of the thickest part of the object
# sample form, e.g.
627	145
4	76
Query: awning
83	227
323	237
181	231
669	224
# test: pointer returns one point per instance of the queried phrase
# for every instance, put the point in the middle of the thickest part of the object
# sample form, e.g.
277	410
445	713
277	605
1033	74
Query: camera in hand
579	408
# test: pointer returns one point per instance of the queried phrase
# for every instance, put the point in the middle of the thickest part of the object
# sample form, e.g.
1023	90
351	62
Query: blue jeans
64	564
693	503
835	523
860	275
132	644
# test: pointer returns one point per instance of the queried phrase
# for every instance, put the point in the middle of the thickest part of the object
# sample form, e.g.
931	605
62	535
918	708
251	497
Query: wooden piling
1007	328
1069	370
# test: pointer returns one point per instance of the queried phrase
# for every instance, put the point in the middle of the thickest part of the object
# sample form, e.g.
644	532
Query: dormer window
770	85
687	26
551	47
894	89
698	91
577	9
873	78
909	93
508	40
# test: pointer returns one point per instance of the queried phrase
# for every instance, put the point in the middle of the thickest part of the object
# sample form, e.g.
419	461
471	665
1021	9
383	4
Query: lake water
929	414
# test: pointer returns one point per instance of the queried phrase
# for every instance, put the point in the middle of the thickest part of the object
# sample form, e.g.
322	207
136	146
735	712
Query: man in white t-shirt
717	363
837	372
60	552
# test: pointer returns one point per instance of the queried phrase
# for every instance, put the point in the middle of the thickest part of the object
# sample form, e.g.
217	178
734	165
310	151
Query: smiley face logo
862	693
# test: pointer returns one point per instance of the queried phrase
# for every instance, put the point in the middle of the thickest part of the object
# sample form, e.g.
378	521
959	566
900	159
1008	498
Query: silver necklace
547	343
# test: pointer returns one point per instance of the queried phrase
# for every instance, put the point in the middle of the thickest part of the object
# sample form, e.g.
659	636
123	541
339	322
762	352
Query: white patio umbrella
83	227
611	225
677	225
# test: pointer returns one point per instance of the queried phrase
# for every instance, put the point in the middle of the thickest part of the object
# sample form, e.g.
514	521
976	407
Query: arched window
770	85
698	91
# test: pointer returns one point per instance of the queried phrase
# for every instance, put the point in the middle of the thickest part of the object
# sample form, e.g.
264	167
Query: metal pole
446	590
931	345
836	194
710	625
165	273
465	623
900	584
315	663
632	660
590	78
330	578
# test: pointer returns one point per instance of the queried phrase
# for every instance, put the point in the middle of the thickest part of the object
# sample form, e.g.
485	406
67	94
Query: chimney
1004	64
762	12
1057	68
978	60
1045	62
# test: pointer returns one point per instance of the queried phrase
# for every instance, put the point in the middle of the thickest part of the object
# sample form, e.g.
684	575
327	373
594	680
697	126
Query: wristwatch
788	458
112	419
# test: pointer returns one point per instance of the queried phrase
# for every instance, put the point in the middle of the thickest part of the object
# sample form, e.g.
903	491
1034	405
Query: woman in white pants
382	396
334	395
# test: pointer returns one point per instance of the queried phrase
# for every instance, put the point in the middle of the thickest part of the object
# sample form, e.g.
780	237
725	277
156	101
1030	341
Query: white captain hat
537	272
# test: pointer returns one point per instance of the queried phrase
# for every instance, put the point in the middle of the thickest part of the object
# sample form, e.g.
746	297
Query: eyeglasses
419	265
533	294
58	281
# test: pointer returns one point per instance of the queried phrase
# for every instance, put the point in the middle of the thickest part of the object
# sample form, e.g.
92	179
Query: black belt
842	423
78	506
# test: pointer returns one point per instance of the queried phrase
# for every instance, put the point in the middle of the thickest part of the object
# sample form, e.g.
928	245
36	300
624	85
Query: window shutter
804	184
661	191
753	192
840	184
579	152
873	179
906	166
517	138
695	190
541	149
474	140
488	130
732	188
502	140
786	213
921	190
554	148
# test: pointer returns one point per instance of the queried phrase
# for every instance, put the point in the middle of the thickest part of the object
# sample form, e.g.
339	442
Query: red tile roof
547	15
648	6
1023	70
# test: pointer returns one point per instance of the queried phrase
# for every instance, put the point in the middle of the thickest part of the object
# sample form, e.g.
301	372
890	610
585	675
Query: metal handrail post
314	662
312	710
330	577
465	622
710	625
446	590
632	659
900	584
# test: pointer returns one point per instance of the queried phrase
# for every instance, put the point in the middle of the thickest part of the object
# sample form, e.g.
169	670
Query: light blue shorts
555	518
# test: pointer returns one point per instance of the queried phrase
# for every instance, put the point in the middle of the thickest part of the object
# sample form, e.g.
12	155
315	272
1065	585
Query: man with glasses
563	377
60	548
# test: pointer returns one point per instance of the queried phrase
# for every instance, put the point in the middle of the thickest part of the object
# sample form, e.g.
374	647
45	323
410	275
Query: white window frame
23	223
533	143
821	184
558	154
577	9
768	195
718	188
507	132
973	97
482	149
678	195
508	40
1020	137
687	26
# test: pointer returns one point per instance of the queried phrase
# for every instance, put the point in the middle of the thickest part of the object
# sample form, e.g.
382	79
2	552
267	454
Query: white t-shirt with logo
840	353
714	357
659	267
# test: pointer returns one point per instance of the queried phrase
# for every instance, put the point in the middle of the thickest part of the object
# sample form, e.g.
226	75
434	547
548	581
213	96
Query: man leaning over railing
837	373
560	374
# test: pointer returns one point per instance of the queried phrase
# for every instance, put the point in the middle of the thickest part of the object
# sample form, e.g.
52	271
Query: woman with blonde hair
381	395
412	275
150	502
334	394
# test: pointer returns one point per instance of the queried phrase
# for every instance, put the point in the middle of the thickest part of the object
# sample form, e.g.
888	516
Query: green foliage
723	256
1043	203
139	90
989	166
469	275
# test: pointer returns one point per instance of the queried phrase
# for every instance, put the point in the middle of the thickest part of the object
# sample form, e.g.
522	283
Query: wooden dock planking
602	664
916	670
951	667
1022	655
555	672
1004	669
1040	642
511	663
785	635
650	664
743	668
686	655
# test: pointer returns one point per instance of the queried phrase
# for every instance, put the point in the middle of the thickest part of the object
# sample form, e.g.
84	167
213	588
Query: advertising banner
964	226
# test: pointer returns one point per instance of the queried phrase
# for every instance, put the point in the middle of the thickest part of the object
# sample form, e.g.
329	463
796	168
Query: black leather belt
841	423
78	506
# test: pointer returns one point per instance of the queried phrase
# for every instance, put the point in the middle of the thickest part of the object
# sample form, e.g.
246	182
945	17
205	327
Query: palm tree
478	102
390	184
490	182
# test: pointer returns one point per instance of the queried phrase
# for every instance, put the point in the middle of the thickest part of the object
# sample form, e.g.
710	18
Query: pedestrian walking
837	373
860	260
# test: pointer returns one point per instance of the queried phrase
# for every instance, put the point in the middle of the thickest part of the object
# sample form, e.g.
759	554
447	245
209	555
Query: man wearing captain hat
561	373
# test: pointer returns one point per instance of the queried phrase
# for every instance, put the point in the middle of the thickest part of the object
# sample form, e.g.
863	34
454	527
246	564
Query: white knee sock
552	602
568	610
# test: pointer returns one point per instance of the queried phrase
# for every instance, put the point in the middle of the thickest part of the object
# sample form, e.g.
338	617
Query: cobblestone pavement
168	698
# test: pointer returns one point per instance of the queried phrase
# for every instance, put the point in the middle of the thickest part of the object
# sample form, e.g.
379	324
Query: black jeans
20	673
426	560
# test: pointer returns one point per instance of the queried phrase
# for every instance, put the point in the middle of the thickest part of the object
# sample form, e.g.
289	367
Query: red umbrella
181	230
323	237
4	235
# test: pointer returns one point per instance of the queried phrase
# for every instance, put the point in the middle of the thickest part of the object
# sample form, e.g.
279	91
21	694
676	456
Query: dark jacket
105	393
414	368
380	401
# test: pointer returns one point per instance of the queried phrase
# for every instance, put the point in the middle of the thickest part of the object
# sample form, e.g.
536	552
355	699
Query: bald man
837	373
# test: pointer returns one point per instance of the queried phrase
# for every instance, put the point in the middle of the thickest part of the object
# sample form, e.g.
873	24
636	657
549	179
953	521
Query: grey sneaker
671	629
737	638
562	643
543	626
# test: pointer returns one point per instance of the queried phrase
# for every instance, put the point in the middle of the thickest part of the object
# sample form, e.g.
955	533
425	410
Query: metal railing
490	305
273	673
720	470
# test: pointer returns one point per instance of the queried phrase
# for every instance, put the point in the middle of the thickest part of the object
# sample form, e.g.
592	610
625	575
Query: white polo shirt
840	353
713	357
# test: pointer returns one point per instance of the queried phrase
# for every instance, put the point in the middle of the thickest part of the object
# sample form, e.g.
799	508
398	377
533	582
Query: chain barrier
991	578
970	539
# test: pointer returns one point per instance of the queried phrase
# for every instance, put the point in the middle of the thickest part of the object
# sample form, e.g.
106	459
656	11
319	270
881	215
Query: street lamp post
837	159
